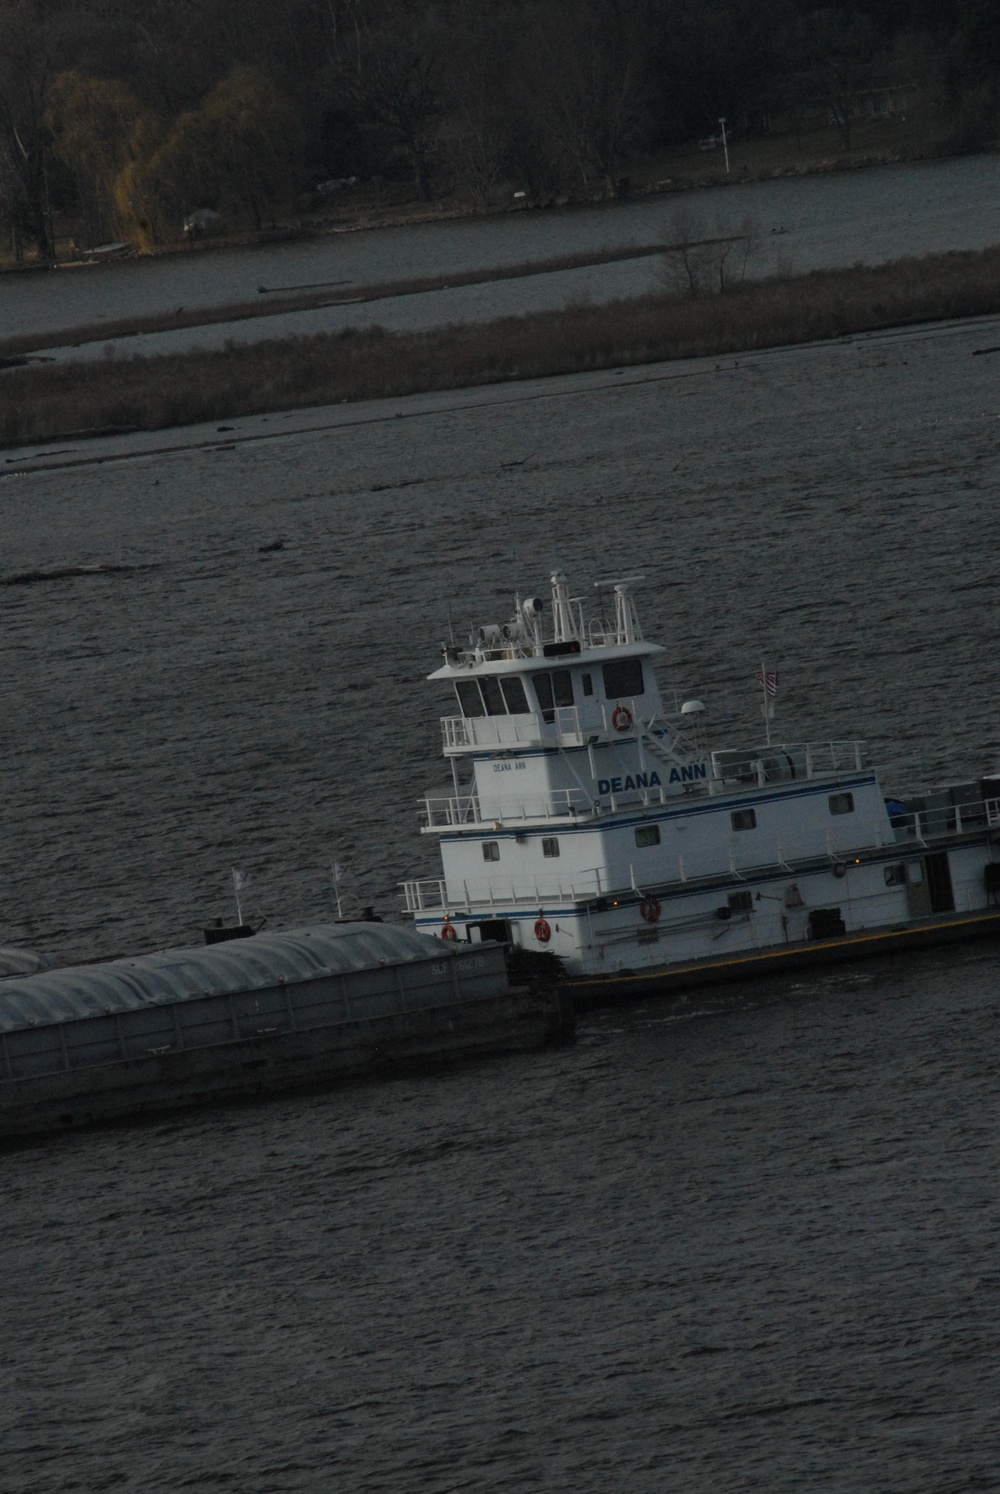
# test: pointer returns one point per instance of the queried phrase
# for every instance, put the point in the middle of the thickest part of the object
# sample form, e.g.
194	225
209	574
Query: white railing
466	809
460	809
481	894
513	731
757	766
946	819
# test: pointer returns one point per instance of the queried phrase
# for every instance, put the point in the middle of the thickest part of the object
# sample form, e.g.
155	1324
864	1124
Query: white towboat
584	822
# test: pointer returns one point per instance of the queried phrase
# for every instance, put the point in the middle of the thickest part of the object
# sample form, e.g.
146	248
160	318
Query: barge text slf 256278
584	821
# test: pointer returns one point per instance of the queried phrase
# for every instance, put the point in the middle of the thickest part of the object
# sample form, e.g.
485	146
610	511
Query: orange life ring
542	931
650	909
621	718
449	931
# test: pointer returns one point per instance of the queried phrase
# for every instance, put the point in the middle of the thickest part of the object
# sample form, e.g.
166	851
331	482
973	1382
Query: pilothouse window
555	689
469	698
490	686
513	694
492	695
623	677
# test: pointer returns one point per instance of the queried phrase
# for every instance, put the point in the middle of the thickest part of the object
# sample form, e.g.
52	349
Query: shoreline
781	161
70	401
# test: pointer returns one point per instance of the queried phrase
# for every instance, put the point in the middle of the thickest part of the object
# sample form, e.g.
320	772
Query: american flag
768	678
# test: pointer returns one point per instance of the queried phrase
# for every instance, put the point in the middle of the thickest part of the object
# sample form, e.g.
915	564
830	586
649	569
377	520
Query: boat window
469	698
491	850
647	835
895	876
744	819
740	902
562	687
623	677
550	845
490	686
513	694
555	689
543	689
841	803
588	684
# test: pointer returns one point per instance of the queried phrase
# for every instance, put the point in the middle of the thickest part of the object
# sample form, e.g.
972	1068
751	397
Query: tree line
129	114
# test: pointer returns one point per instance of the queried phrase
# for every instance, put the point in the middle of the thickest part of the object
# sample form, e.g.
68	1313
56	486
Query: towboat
585	821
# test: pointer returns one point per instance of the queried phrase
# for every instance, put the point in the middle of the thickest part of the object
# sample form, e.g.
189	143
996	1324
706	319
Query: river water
743	1242
802	224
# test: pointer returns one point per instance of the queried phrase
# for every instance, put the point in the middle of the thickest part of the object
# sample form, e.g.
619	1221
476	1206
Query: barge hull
260	1066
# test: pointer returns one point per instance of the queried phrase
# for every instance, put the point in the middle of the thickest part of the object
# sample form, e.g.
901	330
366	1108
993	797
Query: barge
251	1017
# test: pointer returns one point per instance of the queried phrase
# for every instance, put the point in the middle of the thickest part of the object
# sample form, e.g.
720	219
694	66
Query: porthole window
841	803
550	845
744	819
491	850
647	835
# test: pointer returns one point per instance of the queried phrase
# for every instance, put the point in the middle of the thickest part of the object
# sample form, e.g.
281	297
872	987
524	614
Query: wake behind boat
585	822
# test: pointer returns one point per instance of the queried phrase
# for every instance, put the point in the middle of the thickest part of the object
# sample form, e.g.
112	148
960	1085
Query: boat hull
601	990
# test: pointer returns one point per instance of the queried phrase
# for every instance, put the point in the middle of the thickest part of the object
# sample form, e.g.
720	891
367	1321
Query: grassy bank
45	403
278	300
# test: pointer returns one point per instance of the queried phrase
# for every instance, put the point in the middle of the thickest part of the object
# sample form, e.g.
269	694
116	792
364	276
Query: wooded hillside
125	116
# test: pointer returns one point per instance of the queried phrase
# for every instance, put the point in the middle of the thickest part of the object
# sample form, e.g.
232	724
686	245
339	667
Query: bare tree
391	68
704	259
26	53
591	71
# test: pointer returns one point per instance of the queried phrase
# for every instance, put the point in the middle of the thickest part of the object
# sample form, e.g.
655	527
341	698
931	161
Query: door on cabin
939	882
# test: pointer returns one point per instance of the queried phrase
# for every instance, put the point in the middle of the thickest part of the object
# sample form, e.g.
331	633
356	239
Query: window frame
650	836
491	850
738	816
550	846
844	802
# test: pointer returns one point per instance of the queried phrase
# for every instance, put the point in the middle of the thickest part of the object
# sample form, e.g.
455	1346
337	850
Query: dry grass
45	403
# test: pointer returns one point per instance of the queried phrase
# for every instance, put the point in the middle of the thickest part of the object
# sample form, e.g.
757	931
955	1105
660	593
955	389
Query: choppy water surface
742	1243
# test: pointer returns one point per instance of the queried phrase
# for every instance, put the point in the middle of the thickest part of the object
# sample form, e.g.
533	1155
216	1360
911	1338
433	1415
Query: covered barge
251	1017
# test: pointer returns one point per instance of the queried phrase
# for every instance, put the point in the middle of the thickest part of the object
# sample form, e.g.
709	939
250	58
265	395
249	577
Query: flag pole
767	711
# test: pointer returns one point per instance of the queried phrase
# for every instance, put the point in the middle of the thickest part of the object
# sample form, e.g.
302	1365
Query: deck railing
757	766
431	894
513	731
465	809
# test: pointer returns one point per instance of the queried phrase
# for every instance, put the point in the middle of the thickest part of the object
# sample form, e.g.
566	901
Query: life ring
621	718
542	931
449	931
650	909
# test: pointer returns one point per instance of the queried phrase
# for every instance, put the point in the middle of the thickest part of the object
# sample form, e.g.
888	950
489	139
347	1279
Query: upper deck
522	685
